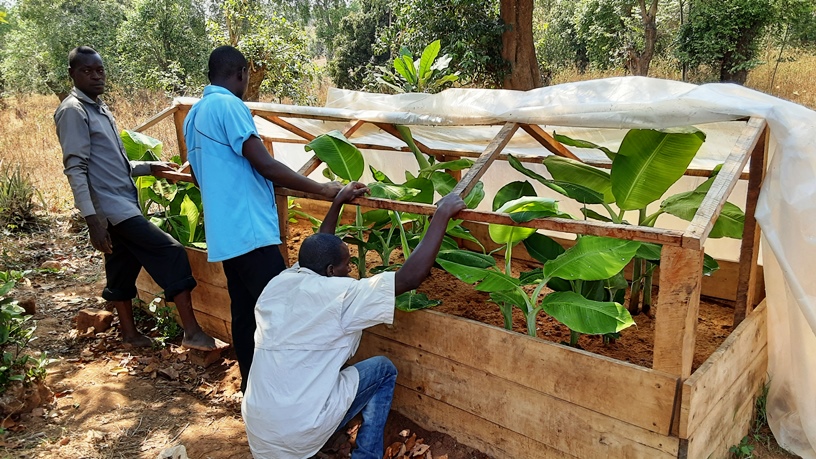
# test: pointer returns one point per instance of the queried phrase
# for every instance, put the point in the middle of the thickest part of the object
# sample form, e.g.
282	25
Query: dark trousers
247	275
136	243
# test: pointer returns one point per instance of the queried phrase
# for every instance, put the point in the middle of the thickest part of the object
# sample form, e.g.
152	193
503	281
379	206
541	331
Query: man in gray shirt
100	174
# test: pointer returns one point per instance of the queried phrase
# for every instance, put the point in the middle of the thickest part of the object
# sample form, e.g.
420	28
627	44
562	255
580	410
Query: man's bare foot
202	342
138	340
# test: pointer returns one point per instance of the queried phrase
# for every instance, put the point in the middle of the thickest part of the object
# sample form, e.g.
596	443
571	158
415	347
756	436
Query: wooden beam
314	162
724	183
392	129
288	126
156	118
678	304
749	250
485	160
282	203
178	119
352	127
592	227
548	142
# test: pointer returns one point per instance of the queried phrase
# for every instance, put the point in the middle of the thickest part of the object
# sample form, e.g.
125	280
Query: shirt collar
84	97
215	89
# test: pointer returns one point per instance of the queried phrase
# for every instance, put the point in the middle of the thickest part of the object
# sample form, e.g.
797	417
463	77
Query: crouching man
310	320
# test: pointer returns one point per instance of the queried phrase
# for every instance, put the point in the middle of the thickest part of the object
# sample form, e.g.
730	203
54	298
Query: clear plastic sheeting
601	111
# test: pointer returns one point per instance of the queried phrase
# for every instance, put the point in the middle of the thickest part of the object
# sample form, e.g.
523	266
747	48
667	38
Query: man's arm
419	264
75	140
348	193
254	150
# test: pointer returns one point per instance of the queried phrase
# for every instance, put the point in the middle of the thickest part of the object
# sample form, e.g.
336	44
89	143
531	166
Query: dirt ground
115	402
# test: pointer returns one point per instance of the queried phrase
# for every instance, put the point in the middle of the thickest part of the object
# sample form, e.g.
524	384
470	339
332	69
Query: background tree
518	48
354	43
275	48
724	34
44	31
164	46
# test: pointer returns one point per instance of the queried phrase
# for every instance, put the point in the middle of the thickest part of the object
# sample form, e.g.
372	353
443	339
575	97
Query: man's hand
449	206
100	239
331	189
161	166
351	191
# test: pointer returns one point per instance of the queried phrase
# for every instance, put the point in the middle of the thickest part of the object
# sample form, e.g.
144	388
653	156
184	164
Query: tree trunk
638	61
256	77
517	45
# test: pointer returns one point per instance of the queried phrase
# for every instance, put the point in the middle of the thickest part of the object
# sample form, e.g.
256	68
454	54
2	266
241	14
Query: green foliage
724	34
163	46
176	208
275	48
354	43
35	57
167	327
742	451
17	199
426	74
16	332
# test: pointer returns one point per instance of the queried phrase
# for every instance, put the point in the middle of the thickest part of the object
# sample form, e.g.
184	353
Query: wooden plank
729	418
474	431
352	127
724	183
214	326
288	126
717	377
592	227
391	129
547	419
153	120
524	360
677	308
178	119
282	204
205	271
207	298
547	141
749	250
464	186
314	162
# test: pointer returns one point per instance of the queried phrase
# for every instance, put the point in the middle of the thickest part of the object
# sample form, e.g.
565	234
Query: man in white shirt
310	320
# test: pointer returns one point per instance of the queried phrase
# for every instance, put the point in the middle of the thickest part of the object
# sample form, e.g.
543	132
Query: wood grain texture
547	141
494	148
153	120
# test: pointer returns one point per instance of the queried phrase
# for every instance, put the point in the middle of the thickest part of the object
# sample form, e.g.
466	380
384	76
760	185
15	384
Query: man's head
227	67
87	70
325	254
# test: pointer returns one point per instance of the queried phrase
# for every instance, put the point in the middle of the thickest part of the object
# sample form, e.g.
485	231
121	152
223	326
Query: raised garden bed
512	395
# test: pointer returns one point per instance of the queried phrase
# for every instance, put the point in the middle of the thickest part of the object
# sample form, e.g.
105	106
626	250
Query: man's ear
241	73
330	271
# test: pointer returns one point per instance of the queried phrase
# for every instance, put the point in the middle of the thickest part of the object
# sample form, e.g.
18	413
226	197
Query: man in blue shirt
236	175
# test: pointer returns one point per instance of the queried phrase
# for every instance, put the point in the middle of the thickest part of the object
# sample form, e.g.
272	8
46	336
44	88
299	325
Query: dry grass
28	138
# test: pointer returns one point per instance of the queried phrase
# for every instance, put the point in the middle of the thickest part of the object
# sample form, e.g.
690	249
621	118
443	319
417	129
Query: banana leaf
730	223
529	205
592	258
413	301
512	191
340	155
586	316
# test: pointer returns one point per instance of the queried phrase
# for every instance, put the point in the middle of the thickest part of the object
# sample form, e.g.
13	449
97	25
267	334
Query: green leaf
456	165
649	162
190	210
475	196
404	65
413	301
408	138
340	155
426	190
542	248
512	191
466	258
574	191
710	265
571	171
586	316
141	147
504	234
531	277
509	298
380	176
426	61
443	183
589	213
649	251
516	164
730	223
592	258
395	192
583	144
495	281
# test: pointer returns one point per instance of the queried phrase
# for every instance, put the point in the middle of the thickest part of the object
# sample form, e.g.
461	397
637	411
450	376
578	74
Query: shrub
16	332
17	200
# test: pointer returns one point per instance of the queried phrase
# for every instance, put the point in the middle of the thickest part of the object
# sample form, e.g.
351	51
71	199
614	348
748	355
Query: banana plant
429	73
179	204
647	163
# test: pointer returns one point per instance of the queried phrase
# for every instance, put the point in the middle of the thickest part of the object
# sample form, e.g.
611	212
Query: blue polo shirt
239	203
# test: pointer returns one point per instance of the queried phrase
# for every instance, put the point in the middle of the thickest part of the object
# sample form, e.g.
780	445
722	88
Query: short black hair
320	250
73	55
224	62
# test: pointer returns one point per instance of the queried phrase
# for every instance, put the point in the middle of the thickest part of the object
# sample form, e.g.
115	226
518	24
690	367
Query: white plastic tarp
601	111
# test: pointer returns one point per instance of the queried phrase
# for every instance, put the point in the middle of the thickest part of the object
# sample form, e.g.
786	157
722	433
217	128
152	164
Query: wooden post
485	160
178	119
678	304
749	250
547	141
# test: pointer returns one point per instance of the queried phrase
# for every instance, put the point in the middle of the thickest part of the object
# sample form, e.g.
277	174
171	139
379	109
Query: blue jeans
374	393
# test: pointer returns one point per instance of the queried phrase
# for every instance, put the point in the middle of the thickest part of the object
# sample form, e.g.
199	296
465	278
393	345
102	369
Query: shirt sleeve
75	139
140	168
369	302
238	125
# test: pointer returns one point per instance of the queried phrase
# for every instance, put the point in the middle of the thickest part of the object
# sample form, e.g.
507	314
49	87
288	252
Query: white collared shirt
308	326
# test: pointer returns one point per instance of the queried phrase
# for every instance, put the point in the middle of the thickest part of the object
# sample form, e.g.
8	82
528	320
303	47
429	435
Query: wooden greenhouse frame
515	396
